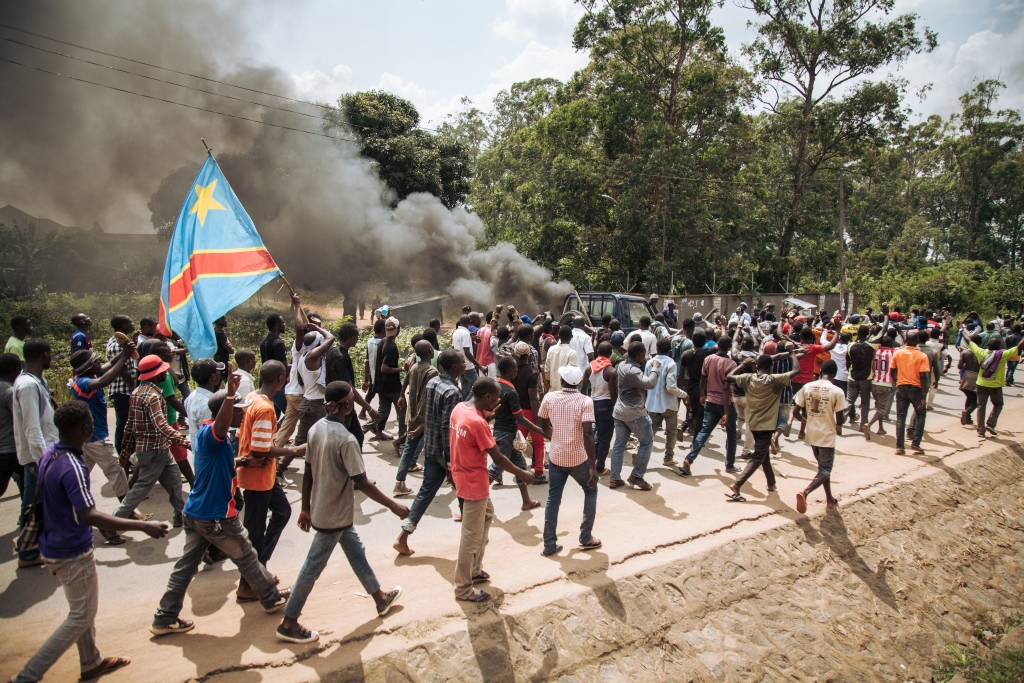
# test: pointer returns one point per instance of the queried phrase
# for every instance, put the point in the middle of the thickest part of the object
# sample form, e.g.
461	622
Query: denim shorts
785	410
504	442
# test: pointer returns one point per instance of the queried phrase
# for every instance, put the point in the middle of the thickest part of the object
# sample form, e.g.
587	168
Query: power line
174	71
180	104
160	80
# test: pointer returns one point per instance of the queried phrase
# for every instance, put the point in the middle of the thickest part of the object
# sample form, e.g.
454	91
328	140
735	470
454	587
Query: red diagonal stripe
225	263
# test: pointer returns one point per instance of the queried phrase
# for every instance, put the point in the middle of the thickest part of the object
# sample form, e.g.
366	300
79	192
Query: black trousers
761	459
264	535
120	402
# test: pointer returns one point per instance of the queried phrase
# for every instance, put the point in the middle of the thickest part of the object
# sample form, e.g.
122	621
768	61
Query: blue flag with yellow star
216	260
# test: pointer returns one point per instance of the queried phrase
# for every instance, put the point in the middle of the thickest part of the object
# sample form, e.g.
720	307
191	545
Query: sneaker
917	449
416	468
540	478
401	489
615	483
282	600
389	601
992	430
746	455
603	472
732	470
176	626
297	634
684	469
495	479
964	417
668	462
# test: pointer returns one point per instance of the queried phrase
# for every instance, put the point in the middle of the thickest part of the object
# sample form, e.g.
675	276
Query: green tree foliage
408	158
807	52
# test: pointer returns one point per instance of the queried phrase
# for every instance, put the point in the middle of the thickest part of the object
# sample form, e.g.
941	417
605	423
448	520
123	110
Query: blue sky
435	51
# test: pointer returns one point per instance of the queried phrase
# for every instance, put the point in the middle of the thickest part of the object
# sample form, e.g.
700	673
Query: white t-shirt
839	356
247	385
461	340
198	407
582	345
293	388
650	341
821	400
312	390
371	355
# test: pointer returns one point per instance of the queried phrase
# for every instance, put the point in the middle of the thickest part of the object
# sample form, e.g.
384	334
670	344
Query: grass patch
981	660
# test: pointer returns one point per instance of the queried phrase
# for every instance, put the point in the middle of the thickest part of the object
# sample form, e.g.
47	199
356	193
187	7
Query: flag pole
283	278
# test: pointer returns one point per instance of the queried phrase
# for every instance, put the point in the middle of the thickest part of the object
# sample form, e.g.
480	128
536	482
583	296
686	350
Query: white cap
570	374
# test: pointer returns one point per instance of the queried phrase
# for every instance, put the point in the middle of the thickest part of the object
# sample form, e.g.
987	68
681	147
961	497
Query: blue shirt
81	388
212	495
80	341
64	490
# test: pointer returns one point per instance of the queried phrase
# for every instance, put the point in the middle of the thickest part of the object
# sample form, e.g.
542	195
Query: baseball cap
391	327
698	317
855	318
570	374
671	303
618	337
215	401
151	366
82	360
526	319
385	309
521	349
203	369
743	304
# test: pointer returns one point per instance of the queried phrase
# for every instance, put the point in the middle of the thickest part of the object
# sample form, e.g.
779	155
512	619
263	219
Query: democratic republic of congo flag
216	260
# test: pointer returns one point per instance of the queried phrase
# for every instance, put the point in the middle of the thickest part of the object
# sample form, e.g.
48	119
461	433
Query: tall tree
408	158
814	57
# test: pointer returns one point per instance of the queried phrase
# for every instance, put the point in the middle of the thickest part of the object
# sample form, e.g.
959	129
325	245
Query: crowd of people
544	399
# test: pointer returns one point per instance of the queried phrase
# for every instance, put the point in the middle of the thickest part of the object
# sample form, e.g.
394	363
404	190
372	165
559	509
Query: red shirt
807	364
484	355
470	440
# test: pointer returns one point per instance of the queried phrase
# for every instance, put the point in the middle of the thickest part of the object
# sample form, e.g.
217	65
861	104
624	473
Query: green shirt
998	379
17	347
167	386
987	336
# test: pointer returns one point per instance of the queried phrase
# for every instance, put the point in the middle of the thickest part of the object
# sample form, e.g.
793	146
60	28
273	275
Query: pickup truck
626	308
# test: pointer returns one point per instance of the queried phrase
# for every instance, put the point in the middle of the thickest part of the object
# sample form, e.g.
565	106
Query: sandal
801	503
771	489
594	544
106	666
735	498
615	483
532	505
833	505
482	577
479	597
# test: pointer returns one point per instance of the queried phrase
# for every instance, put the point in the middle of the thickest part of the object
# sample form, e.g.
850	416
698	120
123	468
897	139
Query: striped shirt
119	385
567	410
881	370
256	435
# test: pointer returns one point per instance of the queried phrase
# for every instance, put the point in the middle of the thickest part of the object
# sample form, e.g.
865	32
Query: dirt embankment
871	593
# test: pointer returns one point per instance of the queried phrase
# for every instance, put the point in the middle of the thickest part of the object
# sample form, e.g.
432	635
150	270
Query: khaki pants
745	435
291	419
476	523
930	400
102	454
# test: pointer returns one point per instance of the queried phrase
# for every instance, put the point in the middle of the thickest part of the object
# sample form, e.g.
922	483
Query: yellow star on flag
205	202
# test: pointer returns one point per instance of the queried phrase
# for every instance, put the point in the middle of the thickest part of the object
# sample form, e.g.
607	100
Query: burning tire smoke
83	154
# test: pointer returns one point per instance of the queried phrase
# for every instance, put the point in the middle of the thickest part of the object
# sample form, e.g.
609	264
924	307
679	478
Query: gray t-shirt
7	418
334	457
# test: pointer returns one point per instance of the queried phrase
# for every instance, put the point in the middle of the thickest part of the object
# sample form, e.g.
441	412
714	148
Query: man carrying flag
216	260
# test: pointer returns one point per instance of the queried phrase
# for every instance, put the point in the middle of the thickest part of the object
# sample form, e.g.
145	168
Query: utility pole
842	249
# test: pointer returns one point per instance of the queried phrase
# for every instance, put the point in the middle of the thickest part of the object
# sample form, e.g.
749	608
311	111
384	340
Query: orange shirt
256	435
909	363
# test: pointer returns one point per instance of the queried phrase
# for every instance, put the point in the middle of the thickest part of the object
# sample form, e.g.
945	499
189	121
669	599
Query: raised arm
114	369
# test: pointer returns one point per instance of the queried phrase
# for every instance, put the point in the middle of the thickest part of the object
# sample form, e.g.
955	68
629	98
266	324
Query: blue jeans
410	455
713	413
505	441
467	381
644	432
605	424
319	553
434	474
557	476
28	496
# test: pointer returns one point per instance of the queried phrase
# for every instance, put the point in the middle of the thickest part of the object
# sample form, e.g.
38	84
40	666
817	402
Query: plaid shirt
567	410
442	395
147	421
119	385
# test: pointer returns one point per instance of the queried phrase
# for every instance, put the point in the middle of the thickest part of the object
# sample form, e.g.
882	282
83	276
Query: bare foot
801	503
403	548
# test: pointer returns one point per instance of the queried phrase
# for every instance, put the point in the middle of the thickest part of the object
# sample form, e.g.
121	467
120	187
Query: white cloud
321	87
531	19
953	69
408	90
